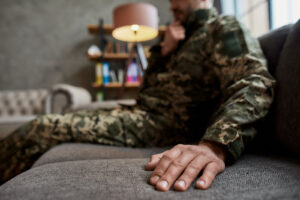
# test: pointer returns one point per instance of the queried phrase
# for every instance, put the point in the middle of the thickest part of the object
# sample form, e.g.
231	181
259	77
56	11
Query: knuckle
191	171
153	157
192	153
193	148
165	152
209	175
221	165
166	158
202	150
194	167
190	147
209	156
158	172
178	164
178	145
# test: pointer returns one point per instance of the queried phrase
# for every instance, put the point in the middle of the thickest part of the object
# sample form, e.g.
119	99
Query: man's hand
174	33
182	164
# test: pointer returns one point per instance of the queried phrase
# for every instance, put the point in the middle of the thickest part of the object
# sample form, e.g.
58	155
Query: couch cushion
252	177
71	152
287	104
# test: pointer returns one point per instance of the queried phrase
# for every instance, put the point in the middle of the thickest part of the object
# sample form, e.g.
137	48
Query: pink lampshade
135	22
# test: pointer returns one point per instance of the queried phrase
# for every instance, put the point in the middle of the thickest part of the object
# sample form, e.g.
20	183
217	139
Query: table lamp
136	22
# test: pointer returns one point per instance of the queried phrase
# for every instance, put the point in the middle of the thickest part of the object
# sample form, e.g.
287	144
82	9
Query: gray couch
270	169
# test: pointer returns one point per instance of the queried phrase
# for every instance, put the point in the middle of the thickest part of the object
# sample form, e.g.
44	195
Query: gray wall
44	42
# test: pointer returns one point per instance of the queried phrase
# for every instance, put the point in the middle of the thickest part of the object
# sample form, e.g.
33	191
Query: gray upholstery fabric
72	152
252	177
287	111
281	48
272	44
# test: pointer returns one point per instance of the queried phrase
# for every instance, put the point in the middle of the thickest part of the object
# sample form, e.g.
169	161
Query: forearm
248	100
247	88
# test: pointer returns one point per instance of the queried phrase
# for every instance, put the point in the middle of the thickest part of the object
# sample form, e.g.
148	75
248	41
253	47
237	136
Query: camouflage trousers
130	127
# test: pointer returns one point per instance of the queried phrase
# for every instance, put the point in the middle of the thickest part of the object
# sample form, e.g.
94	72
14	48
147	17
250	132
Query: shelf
94	29
114	56
117	85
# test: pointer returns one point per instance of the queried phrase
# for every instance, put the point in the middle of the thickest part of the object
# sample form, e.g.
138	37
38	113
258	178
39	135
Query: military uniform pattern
214	87
130	127
216	84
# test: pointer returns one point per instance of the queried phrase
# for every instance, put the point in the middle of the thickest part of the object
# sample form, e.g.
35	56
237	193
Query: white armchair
66	98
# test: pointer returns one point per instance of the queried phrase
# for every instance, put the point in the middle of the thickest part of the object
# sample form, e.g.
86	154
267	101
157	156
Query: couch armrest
106	105
64	98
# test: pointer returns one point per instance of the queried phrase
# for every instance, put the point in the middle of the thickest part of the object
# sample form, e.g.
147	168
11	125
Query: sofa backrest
272	44
287	107
282	50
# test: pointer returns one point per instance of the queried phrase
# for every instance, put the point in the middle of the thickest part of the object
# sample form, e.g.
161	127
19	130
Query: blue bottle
105	73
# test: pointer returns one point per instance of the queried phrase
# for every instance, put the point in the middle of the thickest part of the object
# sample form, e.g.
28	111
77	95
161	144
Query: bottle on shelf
132	73
110	56
98	72
105	68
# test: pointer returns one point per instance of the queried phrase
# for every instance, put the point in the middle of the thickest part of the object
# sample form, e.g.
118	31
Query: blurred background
45	42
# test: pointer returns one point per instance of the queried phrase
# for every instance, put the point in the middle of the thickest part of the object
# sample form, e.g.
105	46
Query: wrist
219	149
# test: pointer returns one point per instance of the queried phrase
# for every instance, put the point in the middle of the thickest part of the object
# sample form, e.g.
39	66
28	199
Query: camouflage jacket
214	86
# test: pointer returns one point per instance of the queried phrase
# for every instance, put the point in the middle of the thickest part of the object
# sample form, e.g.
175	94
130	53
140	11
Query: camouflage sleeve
156	64
156	60
247	88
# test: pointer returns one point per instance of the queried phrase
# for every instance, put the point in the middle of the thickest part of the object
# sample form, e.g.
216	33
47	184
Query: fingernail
181	184
163	184
155	178
202	183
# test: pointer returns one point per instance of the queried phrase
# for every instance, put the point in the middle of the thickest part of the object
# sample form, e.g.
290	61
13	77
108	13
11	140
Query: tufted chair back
20	106
22	102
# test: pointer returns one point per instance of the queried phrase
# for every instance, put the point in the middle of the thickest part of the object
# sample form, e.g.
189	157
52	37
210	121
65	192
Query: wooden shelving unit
117	85
114	56
94	29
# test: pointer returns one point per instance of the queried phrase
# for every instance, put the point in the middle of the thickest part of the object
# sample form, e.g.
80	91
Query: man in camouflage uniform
205	86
